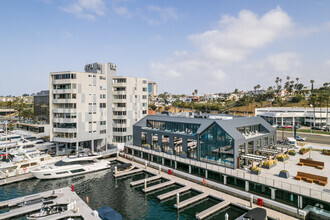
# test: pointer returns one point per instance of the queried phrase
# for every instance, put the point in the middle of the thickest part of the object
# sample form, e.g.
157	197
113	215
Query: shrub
325	151
282	156
268	163
292	151
255	169
303	150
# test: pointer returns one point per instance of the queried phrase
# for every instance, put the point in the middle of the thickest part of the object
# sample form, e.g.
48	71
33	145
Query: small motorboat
124	167
256	214
46	210
107	213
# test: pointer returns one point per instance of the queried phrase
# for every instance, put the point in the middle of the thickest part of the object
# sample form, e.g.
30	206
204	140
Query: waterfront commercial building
215	141
94	108
293	115
41	106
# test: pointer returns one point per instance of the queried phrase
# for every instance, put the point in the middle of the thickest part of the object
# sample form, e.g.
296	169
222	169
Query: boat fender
95	214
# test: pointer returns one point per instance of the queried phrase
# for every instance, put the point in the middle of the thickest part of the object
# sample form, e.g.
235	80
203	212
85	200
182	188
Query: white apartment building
93	108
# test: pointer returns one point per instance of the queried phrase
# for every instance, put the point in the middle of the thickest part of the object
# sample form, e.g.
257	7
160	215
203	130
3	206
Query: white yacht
71	166
21	162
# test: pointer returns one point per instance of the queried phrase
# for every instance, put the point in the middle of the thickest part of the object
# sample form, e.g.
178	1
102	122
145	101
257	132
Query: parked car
298	138
288	126
317	128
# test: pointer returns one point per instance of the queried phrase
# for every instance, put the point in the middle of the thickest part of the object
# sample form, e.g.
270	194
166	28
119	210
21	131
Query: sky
211	46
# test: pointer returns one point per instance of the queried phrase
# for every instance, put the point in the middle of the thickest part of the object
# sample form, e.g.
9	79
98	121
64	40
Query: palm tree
196	91
313	96
312	87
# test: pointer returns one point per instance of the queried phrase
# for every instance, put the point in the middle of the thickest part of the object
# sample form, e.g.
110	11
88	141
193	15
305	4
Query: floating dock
147	179
128	172
212	210
15	179
158	186
191	200
173	193
76	207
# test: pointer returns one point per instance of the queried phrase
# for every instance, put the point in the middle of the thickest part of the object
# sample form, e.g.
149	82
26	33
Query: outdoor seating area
311	163
312	178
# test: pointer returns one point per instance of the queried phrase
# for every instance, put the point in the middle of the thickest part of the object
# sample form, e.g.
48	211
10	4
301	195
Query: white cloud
224	47
88	9
155	15
284	62
122	11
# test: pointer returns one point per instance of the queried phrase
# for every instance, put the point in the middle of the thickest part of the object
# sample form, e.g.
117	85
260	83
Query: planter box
158	150
328	154
183	155
302	153
292	154
255	172
284	174
148	148
280	159
170	152
268	167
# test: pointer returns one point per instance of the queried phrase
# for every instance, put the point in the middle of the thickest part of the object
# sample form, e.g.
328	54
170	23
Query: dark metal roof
229	125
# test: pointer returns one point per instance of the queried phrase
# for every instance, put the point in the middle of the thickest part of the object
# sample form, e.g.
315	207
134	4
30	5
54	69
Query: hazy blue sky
212	46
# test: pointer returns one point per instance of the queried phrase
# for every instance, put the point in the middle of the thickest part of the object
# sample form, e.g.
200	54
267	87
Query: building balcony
64	91
119	100
63	81
63	101
119	93
116	84
119	116
65	130
64	140
64	120
64	110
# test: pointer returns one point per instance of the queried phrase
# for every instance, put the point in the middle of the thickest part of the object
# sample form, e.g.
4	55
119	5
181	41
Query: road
313	138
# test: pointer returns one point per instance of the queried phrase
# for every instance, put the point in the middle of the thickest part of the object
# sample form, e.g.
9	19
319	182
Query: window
144	112
144	81
119	121
103	131
144	97
119	80
102	122
102	105
144	104
119	129
119	89
121	105
102	78
103	87
119	96
119	112
144	89
102	96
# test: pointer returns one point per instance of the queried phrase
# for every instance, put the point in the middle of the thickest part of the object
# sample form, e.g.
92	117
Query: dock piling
115	170
177	199
226	216
159	169
7	174
251	201
146	164
145	184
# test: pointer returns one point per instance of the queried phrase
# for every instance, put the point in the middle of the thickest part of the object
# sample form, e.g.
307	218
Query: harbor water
102	189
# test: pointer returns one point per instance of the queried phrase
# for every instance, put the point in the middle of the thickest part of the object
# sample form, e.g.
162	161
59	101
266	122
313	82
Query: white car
298	138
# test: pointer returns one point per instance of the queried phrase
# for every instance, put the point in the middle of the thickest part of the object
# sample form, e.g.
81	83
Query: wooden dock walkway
62	196
212	210
128	172
158	186
173	193
191	200
138	182
15	179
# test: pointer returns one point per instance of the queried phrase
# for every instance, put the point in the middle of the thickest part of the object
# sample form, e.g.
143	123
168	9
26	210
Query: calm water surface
104	190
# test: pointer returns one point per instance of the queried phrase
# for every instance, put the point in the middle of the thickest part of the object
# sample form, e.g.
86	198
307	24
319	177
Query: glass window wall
216	146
